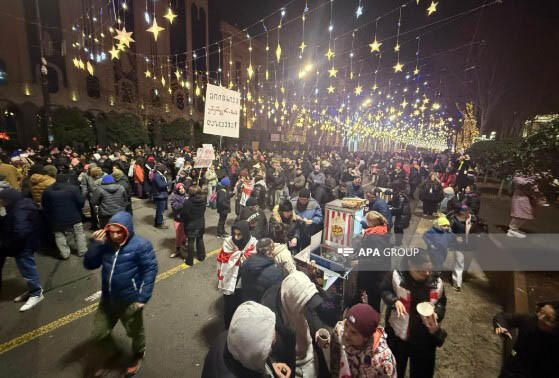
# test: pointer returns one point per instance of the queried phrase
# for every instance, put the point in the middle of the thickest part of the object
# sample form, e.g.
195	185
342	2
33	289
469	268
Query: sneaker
458	289
515	234
189	261
135	368
22	298
201	256
32	302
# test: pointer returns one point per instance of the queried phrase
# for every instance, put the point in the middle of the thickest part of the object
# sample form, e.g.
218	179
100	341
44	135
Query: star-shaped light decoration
329	54
331	89
115	53
432	8
76	63
404	104
90	68
170	16
397	47
250	71
422	108
375	87
302	47
177	74
155	29
124	37
332	72
358	90
81	64
359	11
163	81
278	52
148	73
375	46
230	84
416	71
121	47
398	67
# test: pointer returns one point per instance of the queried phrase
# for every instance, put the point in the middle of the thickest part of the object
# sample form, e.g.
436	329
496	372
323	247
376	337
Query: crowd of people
276	320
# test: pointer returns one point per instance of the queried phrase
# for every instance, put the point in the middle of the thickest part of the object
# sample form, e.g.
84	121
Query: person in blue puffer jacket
129	268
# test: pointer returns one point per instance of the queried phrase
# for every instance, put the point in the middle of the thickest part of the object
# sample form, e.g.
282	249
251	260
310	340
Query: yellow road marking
47	328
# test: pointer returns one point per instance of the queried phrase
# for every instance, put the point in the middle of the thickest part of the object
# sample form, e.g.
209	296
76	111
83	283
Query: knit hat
225	181
151	158
109	179
50	170
440	222
448	190
251	201
464	209
304	193
179	185
285	205
117	174
364	318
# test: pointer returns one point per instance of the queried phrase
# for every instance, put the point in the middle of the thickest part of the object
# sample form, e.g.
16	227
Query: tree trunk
501	188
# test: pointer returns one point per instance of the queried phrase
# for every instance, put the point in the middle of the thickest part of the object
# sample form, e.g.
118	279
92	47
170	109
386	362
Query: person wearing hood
256	219
194	222
38	182
308	211
18	229
62	204
535	348
10	173
259	192
449	203
159	193
284	227
128	270
110	197
371	271
365	352
236	249
122	180
401	210
410	335
438	239
177	202
223	205
246	350
260	272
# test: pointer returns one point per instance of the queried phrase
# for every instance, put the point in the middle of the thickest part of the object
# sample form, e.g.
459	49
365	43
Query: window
92	86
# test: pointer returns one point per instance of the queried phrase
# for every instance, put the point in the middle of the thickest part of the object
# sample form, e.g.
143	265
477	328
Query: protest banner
222	111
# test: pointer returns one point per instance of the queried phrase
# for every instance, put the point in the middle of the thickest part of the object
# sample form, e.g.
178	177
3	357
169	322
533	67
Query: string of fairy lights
312	87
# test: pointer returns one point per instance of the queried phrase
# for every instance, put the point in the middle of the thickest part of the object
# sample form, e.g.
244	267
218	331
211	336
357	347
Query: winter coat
462	173
88	185
449	203
211	177
355	191
257	275
257	221
138	174
37	185
159	186
63	205
316	178
521	205
383	180
431	191
414	177
223	199
259	193
437	242
299	182
399	285
380	206
447	180
312	212
123	181
473	201
177	202
282	232
536	351
128	273
401	210
110	198
19	227
193	213
322	194
11	175
68	178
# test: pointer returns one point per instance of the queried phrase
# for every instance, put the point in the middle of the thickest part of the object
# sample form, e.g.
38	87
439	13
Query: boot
201	256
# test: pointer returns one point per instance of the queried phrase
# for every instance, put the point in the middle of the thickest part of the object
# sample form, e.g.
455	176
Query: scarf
229	260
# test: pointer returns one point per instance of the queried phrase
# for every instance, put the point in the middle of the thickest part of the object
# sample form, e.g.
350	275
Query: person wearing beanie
177	199
283	227
309	213
50	170
223	205
437	239
365	351
248	348
122	180
411	336
110	197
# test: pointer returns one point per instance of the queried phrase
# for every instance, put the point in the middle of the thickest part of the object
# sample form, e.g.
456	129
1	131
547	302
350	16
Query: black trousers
230	304
221	223
422	358
398	235
195	237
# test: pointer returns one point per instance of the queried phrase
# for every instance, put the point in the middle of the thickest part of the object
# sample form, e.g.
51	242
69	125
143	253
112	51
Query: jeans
221	223
422	359
72	238
108	314
26	265
159	208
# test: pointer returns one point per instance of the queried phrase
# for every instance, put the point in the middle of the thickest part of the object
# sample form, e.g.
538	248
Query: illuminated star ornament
124	37
398	67
416	71
115	53
331	89
404	104
432	8
302	47
329	54
358	90
359	11
170	16
333	72
375	46
250	71
155	29
278	53
148	73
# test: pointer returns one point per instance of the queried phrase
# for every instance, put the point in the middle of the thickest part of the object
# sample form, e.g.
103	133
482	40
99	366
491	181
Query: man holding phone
129	268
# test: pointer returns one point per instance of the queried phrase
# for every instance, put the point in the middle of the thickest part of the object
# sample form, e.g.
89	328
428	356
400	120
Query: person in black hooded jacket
194	223
401	210
255	217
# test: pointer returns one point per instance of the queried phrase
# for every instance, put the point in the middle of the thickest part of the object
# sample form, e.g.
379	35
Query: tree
176	132
71	127
126	129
